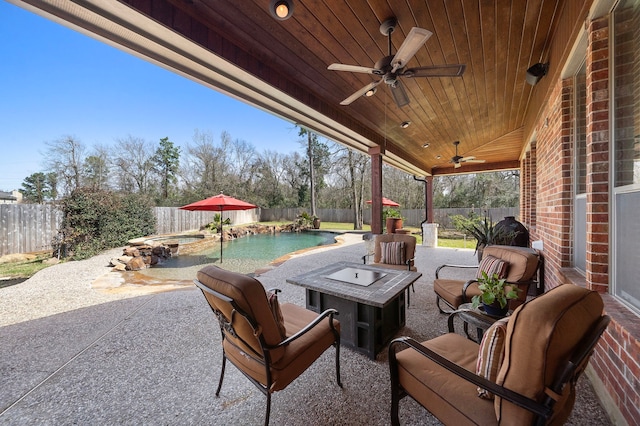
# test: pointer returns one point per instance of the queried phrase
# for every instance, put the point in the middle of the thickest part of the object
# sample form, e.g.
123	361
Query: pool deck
73	352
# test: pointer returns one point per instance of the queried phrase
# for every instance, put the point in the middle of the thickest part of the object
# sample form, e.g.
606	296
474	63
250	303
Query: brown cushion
491	354
451	291
272	297
492	265
523	261
541	335
450	398
408	240
392	253
251	297
298	355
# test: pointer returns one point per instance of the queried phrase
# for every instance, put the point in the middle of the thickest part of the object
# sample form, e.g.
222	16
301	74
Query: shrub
94	221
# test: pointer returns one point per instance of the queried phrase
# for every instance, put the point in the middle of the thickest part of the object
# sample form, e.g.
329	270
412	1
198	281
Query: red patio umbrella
386	202
219	203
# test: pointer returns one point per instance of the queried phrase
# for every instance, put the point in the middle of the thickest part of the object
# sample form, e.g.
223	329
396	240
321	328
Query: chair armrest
328	313
511	396
479	317
465	286
409	262
453	266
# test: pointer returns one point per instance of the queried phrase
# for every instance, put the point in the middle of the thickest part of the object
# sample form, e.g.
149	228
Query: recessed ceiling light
405	124
426	145
438	157
371	92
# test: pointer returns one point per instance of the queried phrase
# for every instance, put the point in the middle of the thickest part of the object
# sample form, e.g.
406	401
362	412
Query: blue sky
56	82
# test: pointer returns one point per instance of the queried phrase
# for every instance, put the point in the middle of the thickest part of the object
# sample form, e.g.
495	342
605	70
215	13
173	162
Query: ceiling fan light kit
392	68
457	160
281	9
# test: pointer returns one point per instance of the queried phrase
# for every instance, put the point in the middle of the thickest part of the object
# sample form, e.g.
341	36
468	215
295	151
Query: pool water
244	255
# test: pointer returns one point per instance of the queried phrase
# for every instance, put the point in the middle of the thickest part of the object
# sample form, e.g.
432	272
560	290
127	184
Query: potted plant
392	219
487	233
495	296
316	222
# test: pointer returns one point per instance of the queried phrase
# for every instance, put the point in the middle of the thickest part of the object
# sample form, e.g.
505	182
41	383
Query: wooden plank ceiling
484	109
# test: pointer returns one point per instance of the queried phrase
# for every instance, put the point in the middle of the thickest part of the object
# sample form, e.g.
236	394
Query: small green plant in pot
496	294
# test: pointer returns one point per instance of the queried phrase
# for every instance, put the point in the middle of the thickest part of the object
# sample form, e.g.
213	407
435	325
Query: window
626	152
580	189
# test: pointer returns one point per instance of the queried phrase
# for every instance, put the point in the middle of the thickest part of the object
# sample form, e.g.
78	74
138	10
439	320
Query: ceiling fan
457	160
392	67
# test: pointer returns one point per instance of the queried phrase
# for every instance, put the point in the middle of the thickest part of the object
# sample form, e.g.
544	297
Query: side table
477	318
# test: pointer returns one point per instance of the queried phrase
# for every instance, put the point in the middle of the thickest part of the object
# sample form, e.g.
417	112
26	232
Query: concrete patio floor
74	354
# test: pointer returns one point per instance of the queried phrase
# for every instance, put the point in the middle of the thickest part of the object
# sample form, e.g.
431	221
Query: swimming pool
244	255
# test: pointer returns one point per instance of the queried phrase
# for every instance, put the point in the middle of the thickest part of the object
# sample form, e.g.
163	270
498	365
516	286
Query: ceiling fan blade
474	161
436	71
467	158
360	92
416	38
399	94
351	68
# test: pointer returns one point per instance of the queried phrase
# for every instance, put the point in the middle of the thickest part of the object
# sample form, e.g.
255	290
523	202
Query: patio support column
376	189
428	189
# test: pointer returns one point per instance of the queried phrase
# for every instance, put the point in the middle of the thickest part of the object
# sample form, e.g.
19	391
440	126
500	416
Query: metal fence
28	228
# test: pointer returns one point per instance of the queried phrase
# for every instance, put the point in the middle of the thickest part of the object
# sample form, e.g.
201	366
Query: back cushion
541	335
251	297
523	261
408	240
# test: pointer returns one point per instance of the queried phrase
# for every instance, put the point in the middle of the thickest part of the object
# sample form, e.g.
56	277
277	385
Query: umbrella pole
221	222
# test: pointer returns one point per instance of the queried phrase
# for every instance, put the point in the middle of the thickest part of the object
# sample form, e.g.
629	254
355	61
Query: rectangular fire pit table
370	300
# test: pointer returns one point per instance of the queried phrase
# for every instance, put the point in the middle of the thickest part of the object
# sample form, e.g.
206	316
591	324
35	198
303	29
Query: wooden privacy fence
170	220
412	217
28	228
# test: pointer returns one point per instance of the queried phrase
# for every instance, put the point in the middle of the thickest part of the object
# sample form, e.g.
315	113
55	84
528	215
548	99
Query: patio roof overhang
239	49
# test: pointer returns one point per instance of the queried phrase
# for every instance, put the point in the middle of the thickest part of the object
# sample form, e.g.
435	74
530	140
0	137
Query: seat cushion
448	397
298	355
451	291
392	253
491	354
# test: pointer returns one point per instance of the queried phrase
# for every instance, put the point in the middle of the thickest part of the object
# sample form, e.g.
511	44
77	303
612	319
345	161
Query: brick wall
552	176
549	169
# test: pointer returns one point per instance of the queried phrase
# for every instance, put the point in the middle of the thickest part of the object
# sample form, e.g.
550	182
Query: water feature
244	255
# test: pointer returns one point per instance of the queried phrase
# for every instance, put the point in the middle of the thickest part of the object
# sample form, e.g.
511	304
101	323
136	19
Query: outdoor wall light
371	92
536	72
281	9
405	124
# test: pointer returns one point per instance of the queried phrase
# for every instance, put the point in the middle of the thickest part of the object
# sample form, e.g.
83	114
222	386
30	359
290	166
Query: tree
96	171
166	164
315	165
134	161
36	188
65	157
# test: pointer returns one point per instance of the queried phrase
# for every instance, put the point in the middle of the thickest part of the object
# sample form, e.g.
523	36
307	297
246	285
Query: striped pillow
491	354
392	253
272	297
492	265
